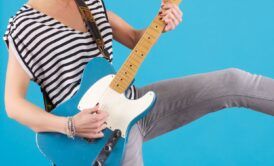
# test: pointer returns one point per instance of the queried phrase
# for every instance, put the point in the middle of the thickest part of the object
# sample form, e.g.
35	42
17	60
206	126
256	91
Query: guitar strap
92	27
95	33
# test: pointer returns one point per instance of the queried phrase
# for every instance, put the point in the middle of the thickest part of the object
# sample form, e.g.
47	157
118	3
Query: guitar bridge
107	149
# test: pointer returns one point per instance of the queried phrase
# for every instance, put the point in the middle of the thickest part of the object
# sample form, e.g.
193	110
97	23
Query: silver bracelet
71	128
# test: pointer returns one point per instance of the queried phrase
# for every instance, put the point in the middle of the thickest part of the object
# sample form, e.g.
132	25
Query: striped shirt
53	54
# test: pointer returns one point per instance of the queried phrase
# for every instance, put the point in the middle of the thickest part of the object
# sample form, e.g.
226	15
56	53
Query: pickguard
122	111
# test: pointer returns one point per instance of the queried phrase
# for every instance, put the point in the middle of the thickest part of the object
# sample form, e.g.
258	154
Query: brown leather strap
92	27
47	102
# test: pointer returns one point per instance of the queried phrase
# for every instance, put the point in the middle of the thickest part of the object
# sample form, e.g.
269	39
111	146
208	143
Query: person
52	48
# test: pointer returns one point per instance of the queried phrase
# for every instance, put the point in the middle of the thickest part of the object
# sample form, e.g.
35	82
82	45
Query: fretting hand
171	14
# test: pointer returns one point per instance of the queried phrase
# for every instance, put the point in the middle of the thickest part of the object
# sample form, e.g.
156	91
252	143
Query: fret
116	87
118	80
140	54
121	83
132	66
140	48
147	46
123	78
159	23
155	28
149	39
137	59
127	72
134	63
153	35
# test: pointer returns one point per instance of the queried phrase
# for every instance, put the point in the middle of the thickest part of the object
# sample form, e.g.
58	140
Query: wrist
61	126
71	131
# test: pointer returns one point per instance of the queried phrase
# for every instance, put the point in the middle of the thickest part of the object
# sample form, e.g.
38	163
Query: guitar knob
108	148
98	163
118	133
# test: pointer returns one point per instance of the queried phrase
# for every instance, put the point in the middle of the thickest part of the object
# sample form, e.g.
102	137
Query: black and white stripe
53	54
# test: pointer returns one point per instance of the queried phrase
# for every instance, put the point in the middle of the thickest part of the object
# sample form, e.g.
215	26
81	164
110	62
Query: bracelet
71	131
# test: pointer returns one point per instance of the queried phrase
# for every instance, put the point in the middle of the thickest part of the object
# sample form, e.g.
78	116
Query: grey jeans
183	100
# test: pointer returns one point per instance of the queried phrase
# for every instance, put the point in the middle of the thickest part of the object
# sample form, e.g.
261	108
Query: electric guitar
108	89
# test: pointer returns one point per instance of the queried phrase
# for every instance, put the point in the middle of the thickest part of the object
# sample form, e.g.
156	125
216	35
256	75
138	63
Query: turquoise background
215	34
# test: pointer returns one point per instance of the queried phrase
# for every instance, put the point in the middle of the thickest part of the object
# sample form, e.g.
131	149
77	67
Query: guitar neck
127	72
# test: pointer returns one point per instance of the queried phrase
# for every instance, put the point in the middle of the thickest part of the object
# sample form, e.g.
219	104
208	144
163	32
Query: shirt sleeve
12	44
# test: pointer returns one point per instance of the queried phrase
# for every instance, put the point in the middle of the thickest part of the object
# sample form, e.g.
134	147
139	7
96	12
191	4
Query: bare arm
123	32
128	36
18	108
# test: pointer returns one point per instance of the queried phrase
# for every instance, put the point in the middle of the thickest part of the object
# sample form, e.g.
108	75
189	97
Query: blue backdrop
216	34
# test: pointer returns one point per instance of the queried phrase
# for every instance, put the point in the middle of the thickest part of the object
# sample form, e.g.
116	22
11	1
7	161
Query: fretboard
127	72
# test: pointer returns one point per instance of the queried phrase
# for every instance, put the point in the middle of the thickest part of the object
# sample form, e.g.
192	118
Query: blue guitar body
124	113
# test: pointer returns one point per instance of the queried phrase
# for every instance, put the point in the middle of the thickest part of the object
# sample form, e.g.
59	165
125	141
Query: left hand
171	14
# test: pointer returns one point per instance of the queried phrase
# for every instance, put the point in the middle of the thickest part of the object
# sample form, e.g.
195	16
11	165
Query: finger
92	135
95	109
177	13
100	129
178	10
102	112
92	129
92	110
171	16
172	7
170	25
97	125
96	121
99	116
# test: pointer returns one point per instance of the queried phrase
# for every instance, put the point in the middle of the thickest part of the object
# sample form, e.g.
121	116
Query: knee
235	73
234	78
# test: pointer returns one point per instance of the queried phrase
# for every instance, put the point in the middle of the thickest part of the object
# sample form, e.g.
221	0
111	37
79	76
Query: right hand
89	123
